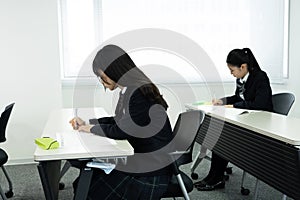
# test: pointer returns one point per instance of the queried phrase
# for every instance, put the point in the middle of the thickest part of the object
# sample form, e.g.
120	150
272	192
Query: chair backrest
3	121
282	102
185	131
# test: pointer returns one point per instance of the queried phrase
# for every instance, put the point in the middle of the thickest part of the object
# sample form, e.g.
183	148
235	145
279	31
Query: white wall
293	83
30	72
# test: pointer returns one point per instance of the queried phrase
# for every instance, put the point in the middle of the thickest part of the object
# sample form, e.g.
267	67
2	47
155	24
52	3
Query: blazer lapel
248	84
120	106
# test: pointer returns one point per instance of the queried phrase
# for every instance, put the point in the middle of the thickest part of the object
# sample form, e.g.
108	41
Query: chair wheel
194	176
229	170
61	186
245	191
9	194
226	177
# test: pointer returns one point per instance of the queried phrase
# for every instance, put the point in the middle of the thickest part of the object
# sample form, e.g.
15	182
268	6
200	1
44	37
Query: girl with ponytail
253	92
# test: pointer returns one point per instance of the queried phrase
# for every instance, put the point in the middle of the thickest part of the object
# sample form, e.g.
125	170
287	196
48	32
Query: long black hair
119	67
237	57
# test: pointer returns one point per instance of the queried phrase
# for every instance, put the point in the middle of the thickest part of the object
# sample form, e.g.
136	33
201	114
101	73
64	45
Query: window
216	26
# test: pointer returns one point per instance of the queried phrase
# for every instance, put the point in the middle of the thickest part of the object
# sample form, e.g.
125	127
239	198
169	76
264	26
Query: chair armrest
177	154
178	158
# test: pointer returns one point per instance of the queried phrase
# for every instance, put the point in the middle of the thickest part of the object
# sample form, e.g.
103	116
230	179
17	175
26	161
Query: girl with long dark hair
253	91
140	117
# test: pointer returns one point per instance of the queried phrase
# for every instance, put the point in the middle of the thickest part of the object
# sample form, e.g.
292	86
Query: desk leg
65	168
50	174
84	183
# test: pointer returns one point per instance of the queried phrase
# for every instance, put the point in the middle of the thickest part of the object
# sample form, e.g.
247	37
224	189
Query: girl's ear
244	66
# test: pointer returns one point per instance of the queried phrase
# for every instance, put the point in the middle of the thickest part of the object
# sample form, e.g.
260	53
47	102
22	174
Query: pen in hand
216	102
75	118
214	99
77	123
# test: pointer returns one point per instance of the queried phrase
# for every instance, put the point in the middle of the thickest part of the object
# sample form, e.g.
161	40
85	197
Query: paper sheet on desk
238	111
79	138
222	110
199	103
207	108
91	139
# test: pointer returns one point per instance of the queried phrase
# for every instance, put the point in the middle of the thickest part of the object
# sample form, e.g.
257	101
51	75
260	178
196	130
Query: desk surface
75	144
273	125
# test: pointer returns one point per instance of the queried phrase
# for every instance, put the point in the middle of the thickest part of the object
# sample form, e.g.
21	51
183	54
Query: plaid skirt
120	186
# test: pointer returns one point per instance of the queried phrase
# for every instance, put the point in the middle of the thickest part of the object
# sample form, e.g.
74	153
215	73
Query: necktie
241	87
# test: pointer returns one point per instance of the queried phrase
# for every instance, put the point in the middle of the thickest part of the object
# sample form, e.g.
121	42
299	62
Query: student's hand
229	106
76	122
217	102
85	128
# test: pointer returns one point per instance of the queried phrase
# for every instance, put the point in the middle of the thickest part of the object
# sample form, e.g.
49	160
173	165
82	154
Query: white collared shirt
244	79
123	90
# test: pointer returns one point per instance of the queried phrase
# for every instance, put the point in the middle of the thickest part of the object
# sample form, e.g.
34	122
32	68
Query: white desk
74	145
262	143
270	124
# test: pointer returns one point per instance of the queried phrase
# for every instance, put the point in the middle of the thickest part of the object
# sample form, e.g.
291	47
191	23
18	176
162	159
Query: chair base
9	193
174	188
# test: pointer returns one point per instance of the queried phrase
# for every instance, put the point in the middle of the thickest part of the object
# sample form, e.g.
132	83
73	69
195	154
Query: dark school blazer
257	94
146	134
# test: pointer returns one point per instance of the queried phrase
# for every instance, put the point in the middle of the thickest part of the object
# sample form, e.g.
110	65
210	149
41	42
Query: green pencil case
47	143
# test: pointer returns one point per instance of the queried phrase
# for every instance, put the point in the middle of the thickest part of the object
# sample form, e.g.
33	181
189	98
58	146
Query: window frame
98	22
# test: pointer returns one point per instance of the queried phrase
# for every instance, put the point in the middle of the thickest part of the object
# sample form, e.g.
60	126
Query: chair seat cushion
174	189
3	157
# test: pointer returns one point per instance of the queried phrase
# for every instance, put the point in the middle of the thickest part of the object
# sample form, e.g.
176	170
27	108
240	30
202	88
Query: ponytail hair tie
245	50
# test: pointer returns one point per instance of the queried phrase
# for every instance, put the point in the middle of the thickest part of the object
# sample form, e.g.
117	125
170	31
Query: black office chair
3	156
282	103
185	131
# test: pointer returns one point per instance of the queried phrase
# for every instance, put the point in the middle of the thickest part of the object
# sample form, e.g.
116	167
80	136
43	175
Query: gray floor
27	185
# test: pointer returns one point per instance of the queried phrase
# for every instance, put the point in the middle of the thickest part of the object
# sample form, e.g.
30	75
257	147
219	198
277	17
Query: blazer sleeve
108	127
230	99
103	120
122	128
